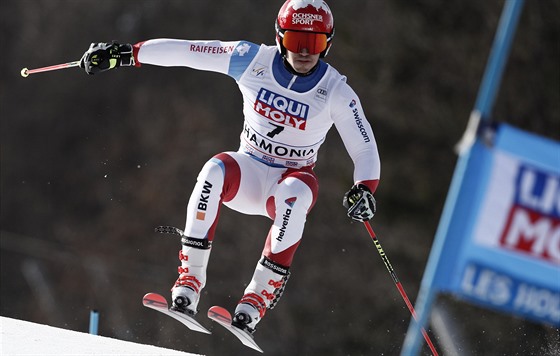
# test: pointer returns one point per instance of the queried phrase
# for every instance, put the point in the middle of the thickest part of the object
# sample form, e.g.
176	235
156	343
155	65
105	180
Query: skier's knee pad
292	190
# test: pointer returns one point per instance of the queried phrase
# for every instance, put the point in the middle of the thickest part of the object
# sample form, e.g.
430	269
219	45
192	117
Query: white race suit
287	117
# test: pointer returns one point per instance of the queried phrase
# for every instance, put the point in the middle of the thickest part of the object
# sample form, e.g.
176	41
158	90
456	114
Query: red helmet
304	25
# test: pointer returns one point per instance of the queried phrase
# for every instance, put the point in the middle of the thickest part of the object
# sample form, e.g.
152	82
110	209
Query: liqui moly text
281	109
533	223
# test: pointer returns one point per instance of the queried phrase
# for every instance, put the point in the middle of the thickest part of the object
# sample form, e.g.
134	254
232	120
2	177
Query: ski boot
194	256
263	293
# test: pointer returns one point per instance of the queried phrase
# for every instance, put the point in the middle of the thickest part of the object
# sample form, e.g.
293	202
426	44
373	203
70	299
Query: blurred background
91	164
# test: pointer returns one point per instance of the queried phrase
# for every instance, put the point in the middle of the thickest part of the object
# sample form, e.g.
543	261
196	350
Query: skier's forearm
367	168
204	55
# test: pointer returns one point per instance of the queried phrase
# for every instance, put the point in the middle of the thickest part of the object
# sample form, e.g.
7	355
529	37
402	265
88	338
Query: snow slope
18	338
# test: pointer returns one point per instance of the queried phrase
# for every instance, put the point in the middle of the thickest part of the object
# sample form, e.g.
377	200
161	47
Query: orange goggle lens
298	42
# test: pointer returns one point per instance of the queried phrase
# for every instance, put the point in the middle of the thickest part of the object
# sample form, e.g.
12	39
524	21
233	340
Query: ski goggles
298	41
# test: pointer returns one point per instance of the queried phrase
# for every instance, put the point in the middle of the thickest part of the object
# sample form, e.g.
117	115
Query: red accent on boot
255	300
188	281
182	256
276	284
184	279
267	295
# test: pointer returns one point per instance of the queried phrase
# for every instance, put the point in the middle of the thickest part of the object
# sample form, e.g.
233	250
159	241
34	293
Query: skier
291	98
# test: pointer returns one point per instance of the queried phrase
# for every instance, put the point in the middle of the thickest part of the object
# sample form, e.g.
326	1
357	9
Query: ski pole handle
25	72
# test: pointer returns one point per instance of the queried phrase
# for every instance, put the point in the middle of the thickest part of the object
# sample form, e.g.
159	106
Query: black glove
101	57
360	203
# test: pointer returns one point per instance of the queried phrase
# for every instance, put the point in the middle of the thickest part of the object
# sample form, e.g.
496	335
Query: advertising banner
509	256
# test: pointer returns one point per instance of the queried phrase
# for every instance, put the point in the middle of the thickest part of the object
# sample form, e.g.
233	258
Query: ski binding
223	317
159	303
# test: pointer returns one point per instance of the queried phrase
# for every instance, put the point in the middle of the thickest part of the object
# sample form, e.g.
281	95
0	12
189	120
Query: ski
223	317
159	303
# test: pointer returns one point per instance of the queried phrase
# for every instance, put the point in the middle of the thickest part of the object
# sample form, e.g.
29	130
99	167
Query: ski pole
25	72
398	283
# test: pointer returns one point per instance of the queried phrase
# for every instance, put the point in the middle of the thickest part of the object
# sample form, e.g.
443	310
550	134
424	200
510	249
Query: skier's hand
360	203
101	57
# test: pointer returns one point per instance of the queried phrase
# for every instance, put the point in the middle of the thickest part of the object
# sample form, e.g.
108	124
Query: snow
26	338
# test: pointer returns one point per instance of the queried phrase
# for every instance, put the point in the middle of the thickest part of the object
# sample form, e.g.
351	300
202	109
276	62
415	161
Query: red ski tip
219	313
154	299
